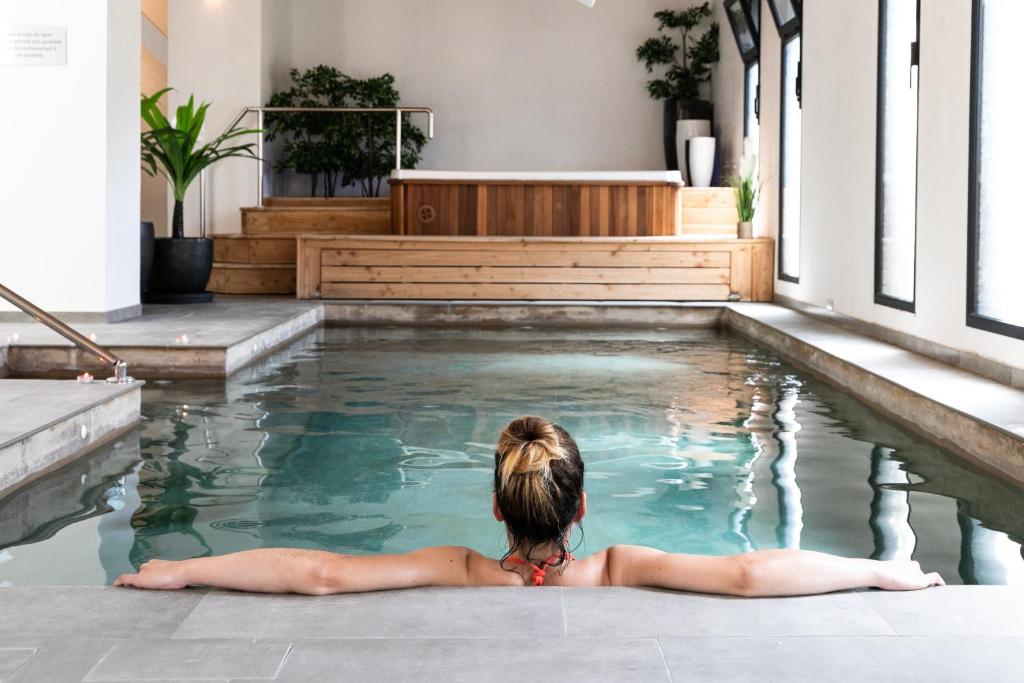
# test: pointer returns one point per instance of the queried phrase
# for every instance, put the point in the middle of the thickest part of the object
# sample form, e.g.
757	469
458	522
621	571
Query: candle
181	339
85	378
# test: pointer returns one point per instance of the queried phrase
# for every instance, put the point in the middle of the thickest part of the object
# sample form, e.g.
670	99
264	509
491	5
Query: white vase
702	161
685	130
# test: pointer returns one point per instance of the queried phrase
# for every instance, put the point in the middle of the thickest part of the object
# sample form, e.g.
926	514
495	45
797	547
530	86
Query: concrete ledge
222	337
972	362
506	313
45	423
962	412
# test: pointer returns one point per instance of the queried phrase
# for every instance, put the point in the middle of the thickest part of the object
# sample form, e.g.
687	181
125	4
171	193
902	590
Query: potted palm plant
173	149
747	189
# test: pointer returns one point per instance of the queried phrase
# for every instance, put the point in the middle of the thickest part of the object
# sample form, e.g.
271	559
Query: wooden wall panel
529	209
153	76
156	12
532	268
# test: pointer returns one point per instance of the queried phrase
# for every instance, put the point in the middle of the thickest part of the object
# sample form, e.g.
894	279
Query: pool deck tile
951	633
651	613
452	613
31	614
953	611
12	658
509	634
63	660
452	659
184	659
848	659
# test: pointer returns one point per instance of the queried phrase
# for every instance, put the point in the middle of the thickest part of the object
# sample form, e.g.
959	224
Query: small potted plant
744	184
688	64
181	265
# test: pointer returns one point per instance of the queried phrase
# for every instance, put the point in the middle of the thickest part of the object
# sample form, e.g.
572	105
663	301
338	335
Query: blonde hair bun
528	444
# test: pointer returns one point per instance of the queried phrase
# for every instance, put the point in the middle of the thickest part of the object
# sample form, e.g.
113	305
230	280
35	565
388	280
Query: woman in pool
538	495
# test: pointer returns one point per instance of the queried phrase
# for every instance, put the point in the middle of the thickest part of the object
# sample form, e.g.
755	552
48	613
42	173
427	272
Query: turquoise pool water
381	440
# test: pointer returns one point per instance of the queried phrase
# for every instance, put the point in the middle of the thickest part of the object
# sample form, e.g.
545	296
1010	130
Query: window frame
974	319
757	97
880	297
793	30
750	55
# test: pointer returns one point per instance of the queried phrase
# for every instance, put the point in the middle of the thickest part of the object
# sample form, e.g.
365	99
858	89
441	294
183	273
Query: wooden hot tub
592	204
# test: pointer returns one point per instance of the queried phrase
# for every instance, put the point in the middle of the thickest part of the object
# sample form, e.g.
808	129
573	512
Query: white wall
214	51
516	85
69	234
727	79
837	199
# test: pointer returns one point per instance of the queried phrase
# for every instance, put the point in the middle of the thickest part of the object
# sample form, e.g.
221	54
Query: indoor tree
345	149
689	60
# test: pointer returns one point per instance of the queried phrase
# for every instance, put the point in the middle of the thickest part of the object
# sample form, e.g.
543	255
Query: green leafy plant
172	148
341	149
745	184
689	61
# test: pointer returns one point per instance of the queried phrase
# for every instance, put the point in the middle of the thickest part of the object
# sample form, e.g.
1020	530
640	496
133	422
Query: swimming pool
381	439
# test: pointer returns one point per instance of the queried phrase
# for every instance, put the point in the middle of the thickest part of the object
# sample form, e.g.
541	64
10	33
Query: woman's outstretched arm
761	573
312	572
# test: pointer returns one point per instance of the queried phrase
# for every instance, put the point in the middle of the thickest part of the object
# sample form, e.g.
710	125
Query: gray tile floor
958	633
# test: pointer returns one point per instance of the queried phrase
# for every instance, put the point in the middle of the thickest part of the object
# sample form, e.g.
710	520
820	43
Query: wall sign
33	45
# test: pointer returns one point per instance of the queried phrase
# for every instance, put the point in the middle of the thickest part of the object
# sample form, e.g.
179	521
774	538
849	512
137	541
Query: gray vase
745	230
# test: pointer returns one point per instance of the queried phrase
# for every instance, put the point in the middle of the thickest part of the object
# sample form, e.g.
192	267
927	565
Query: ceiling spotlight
588	3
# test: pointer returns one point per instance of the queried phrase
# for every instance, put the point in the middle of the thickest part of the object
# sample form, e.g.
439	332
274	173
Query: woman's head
538	485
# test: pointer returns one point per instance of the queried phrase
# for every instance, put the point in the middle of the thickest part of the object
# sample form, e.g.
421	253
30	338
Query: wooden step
329	202
340	219
709	211
249	278
717	229
266	249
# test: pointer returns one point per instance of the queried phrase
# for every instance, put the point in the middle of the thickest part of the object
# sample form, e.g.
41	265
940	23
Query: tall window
752	107
745	21
995	242
896	158
789	145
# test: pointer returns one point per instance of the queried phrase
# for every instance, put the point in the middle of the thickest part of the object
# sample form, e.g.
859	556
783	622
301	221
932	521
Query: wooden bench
534	268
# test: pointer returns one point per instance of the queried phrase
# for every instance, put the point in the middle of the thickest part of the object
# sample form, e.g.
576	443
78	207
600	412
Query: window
995	240
896	153
745	21
789	146
752	106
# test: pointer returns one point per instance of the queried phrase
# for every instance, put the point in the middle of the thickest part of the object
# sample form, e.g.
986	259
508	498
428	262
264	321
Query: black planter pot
682	109
147	235
181	269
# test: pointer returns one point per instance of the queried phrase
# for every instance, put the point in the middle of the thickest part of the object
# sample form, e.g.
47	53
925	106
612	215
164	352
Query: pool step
44	423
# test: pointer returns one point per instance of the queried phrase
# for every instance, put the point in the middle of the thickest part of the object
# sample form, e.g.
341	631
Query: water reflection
791	512
381	440
890	508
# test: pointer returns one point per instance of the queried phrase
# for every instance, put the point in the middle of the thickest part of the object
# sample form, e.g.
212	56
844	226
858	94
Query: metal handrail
260	111
71	334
